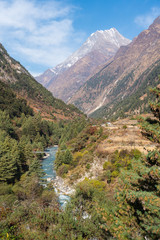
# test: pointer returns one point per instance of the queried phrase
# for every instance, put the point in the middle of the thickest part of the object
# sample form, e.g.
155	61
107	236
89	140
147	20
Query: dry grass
125	138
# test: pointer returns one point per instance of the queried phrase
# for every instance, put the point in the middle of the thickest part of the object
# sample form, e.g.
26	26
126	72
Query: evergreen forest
122	203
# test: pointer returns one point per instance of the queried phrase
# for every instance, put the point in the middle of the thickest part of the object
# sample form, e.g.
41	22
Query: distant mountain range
121	86
109	75
65	79
25	86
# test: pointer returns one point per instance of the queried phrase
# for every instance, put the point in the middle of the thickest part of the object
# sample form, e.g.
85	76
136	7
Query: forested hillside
120	203
24	85
112	168
120	198
26	131
22	134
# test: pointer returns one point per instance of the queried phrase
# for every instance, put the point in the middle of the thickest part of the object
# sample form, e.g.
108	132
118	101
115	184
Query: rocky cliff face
123	74
66	78
8	66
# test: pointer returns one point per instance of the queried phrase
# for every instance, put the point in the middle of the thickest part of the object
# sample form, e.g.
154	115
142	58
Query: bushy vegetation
124	203
134	212
117	161
150	126
22	133
79	151
27	209
127	209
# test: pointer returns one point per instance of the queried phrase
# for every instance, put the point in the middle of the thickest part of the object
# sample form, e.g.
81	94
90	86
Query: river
48	167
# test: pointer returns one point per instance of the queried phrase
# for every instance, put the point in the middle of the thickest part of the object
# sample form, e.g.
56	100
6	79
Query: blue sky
42	33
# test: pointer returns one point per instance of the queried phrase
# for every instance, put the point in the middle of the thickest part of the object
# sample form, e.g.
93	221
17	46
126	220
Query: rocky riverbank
62	186
46	155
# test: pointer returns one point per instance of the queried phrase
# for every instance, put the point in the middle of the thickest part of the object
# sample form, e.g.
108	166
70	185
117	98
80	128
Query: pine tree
68	157
35	167
136	210
150	126
137	198
28	152
8	160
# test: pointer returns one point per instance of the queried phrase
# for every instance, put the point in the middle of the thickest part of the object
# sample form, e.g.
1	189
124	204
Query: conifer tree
68	157
150	126
138	199
136	213
8	160
35	167
28	152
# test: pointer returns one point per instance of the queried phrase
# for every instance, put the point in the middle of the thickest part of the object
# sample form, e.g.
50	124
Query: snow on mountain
65	79
118	83
96	41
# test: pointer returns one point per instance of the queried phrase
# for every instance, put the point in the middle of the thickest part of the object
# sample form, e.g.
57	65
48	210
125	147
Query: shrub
91	130
87	158
107	166
74	176
77	157
93	139
5	189
62	170
88	166
120	160
89	188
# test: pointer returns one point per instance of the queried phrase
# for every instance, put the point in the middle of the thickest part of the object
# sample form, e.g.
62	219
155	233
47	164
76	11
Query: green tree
59	159
138	198
68	157
9	159
35	167
28	153
135	213
5	124
63	157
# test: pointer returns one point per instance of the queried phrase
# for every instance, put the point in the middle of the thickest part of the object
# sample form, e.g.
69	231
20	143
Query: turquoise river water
48	167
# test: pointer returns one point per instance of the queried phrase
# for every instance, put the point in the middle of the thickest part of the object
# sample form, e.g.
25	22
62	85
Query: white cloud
147	19
43	56
40	31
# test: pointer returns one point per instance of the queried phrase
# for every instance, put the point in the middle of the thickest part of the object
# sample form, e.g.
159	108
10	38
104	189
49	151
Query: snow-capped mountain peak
74	71
97	41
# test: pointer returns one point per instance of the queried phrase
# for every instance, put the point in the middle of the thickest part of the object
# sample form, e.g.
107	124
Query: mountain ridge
25	86
75	70
116	79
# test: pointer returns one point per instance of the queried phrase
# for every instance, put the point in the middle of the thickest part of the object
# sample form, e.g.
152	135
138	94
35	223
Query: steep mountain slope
24	85
123	75
12	105
66	78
